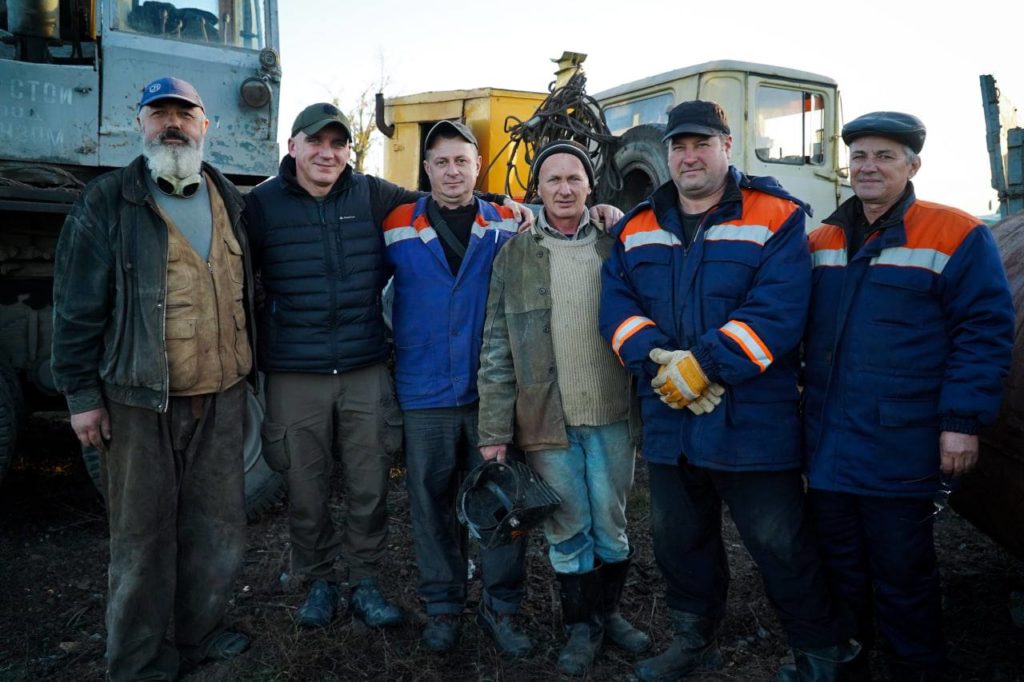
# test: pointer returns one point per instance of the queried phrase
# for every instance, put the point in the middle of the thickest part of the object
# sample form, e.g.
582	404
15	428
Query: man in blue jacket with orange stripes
704	300
908	339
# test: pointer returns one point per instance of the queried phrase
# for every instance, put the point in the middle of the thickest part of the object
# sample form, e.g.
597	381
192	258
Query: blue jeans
880	556
440	446
593	477
768	510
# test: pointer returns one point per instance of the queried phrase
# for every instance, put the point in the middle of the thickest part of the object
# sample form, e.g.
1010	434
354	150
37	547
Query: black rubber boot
827	664
580	593
693	648
617	629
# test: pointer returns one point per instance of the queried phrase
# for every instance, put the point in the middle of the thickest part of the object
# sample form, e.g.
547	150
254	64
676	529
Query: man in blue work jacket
705	297
908	340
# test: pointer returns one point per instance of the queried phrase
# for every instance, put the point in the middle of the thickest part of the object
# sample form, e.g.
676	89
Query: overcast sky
915	57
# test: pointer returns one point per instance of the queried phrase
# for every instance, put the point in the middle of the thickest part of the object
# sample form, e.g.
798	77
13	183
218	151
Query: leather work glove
680	380
708	400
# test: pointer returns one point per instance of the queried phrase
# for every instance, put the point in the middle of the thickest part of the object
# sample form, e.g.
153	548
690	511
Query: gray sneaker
372	607
502	628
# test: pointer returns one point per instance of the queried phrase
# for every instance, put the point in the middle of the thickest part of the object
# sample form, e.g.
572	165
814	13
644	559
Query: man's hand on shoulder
958	452
605	215
492	452
92	427
522	214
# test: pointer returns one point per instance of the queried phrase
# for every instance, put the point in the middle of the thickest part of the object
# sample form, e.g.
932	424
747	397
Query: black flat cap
895	125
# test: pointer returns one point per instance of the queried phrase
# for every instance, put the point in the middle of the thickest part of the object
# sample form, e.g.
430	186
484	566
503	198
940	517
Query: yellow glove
680	380
708	400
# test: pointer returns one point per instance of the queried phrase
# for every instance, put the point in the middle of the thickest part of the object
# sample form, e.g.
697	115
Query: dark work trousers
309	418
176	504
879	553
440	446
768	510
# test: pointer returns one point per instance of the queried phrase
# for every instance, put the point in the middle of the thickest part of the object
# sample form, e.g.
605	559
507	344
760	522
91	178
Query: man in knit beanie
552	386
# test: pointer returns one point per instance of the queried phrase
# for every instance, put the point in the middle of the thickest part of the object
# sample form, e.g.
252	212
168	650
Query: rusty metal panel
240	140
48	113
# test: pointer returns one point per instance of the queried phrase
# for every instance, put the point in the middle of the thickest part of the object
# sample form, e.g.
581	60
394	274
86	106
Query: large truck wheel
263	486
10	397
642	161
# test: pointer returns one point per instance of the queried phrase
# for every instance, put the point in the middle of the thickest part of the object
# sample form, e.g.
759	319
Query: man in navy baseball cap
170	87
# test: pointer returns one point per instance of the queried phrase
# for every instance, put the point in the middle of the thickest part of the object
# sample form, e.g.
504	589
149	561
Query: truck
785	123
71	73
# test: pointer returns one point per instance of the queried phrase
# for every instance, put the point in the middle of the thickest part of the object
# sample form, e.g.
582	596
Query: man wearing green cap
317	243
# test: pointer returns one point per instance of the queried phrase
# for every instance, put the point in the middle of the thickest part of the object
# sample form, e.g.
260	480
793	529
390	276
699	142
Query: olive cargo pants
176	505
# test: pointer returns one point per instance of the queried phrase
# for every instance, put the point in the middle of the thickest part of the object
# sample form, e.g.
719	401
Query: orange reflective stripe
749	342
626	330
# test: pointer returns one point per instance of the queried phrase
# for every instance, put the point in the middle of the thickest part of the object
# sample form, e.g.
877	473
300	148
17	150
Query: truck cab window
622	117
226	22
789	126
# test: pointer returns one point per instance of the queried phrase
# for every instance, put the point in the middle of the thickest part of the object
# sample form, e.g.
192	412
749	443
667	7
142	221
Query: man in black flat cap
908	339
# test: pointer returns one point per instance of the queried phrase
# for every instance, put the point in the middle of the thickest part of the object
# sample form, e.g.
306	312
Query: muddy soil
53	554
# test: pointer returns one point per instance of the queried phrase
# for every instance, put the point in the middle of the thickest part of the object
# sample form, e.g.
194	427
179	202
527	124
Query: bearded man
151	347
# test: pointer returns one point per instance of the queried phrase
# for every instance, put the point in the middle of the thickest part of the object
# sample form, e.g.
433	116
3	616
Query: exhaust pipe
388	130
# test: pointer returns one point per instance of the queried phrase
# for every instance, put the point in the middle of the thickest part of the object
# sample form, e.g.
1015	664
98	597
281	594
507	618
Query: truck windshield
225	22
790	126
622	117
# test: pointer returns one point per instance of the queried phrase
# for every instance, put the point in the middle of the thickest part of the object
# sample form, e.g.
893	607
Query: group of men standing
704	295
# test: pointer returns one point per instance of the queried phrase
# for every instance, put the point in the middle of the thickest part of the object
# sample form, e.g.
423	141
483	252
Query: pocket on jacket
182	359
540	423
275	446
178	278
235	265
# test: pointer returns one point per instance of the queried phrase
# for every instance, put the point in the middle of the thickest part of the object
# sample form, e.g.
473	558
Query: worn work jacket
110	292
910	338
520	401
438	316
737	298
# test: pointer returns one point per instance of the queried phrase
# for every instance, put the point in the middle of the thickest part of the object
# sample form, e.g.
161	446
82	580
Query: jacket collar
892	230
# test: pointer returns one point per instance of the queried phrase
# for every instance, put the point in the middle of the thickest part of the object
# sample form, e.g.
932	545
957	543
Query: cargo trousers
310	417
175	488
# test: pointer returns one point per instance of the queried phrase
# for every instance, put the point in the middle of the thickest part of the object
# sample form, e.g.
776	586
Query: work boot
441	633
581	594
372	607
320	606
826	664
693	648
617	629
502	629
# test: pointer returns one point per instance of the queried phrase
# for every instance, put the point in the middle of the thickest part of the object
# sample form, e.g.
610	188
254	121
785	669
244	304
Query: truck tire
263	486
643	164
9	409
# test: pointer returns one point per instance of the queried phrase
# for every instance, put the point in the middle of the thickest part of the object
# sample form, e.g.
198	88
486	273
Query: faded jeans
440	446
593	477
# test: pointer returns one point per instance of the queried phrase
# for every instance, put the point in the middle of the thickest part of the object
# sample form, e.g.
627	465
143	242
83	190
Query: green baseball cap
315	117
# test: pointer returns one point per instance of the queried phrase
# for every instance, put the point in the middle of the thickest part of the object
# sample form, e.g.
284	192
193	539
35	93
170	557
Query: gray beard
176	161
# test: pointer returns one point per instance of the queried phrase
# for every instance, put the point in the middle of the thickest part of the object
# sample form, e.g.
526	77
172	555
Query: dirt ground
53	554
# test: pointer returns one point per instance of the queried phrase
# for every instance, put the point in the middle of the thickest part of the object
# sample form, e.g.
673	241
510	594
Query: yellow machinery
484	110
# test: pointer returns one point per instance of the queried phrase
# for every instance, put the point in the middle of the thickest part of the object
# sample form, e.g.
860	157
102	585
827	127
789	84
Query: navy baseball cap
696	117
905	128
170	87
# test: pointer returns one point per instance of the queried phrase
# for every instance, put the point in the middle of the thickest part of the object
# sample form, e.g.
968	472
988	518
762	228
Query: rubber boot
617	629
580	593
827	664
693	648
